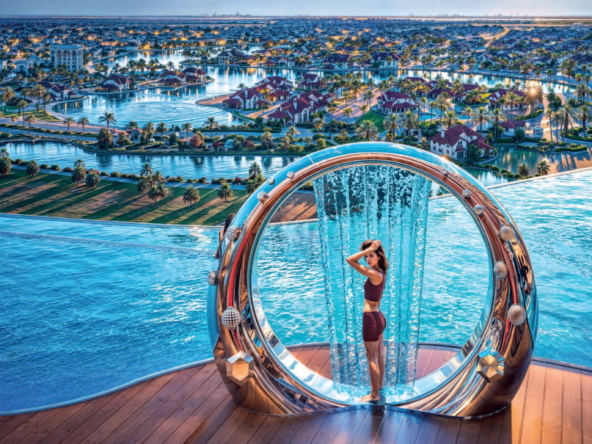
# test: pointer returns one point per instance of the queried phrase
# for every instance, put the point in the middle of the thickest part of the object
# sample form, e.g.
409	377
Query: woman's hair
227	222
382	260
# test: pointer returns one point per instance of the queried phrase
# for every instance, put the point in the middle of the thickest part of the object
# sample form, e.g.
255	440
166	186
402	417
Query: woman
373	321
221	234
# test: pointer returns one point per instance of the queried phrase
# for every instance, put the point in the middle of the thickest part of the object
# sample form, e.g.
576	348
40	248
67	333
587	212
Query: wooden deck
553	406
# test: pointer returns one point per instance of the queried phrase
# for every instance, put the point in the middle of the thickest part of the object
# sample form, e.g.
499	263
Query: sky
300	7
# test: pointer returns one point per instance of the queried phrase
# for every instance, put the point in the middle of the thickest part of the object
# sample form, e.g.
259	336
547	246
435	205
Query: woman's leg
381	362
372	354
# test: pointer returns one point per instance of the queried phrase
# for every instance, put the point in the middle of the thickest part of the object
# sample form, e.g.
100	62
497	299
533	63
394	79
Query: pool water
90	306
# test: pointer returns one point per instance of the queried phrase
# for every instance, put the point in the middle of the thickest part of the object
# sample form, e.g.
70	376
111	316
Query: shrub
44	166
68	170
104	173
203	180
55	168
115	174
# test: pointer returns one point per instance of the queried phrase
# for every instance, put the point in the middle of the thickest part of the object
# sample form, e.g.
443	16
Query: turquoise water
91	306
212	167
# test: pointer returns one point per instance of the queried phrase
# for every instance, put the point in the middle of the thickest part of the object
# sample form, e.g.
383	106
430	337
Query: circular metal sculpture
481	379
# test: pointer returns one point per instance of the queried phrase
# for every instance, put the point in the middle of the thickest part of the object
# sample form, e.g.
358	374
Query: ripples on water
79	318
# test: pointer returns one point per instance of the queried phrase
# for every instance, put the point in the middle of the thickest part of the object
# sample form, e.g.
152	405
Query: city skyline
305	8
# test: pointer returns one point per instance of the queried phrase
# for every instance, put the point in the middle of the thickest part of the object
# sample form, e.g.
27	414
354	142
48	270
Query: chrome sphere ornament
231	318
271	181
490	365
516	314
262	195
507	234
478	380
213	278
500	269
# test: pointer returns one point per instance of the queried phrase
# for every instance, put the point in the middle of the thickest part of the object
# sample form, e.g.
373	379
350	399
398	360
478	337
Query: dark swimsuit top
373	293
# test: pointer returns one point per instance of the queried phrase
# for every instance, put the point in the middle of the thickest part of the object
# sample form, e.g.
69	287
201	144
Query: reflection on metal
490	365
239	367
478	210
506	233
213	278
280	384
466	194
261	196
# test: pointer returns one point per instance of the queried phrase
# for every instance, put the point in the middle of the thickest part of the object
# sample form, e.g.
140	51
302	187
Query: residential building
454	142
70	56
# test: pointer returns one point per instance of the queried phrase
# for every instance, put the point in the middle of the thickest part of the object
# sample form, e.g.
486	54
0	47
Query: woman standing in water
373	321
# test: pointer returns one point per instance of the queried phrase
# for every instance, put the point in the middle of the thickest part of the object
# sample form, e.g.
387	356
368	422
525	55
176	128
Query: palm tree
132	125
82	122
104	139
523	170
92	180
564	115
144	184
79	163
291	132
450	119
6	96
442	103
409	121
266	139
20	106
191	196
161	128
211	123
368	96
255	170
480	116
367	130
188	127
225	191
146	170
30	119
69	121
583	115
108	118
348	112
317	123
32	168
391	123
5	166
543	167
158	191
78	175
498	116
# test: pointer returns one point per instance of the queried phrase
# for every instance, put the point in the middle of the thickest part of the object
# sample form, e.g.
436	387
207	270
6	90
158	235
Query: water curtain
373	202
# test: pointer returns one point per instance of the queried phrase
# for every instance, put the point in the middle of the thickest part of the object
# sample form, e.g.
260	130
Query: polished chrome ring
480	379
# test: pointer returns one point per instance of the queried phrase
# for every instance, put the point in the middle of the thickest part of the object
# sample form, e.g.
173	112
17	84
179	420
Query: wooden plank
194	413
410	429
88	409
469	431
291	426
78	433
231	425
430	428
305	354
348	430
308	428
204	431
140	415
327	430
12	423
268	428
120	415
369	428
449	430
533	414
317	360
553	406
29	426
174	402
392	423
572	407
513	415
587	407
247	429
490	428
46	427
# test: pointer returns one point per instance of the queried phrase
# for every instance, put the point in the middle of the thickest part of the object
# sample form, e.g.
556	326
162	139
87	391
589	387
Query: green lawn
377	119
40	115
56	195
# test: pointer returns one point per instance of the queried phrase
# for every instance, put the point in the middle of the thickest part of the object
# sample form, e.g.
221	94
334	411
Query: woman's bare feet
370	398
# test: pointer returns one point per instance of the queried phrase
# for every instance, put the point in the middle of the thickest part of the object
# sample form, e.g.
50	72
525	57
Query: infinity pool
88	307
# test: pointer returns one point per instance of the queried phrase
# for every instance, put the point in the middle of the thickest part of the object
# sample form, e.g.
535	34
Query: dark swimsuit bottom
373	322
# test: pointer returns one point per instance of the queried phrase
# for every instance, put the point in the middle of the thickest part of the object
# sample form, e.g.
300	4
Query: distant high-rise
71	56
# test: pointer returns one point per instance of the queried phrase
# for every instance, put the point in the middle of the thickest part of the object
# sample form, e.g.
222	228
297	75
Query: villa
310	81
395	102
300	108
247	98
174	78
510	126
454	142
194	75
58	91
499	100
116	82
385	60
